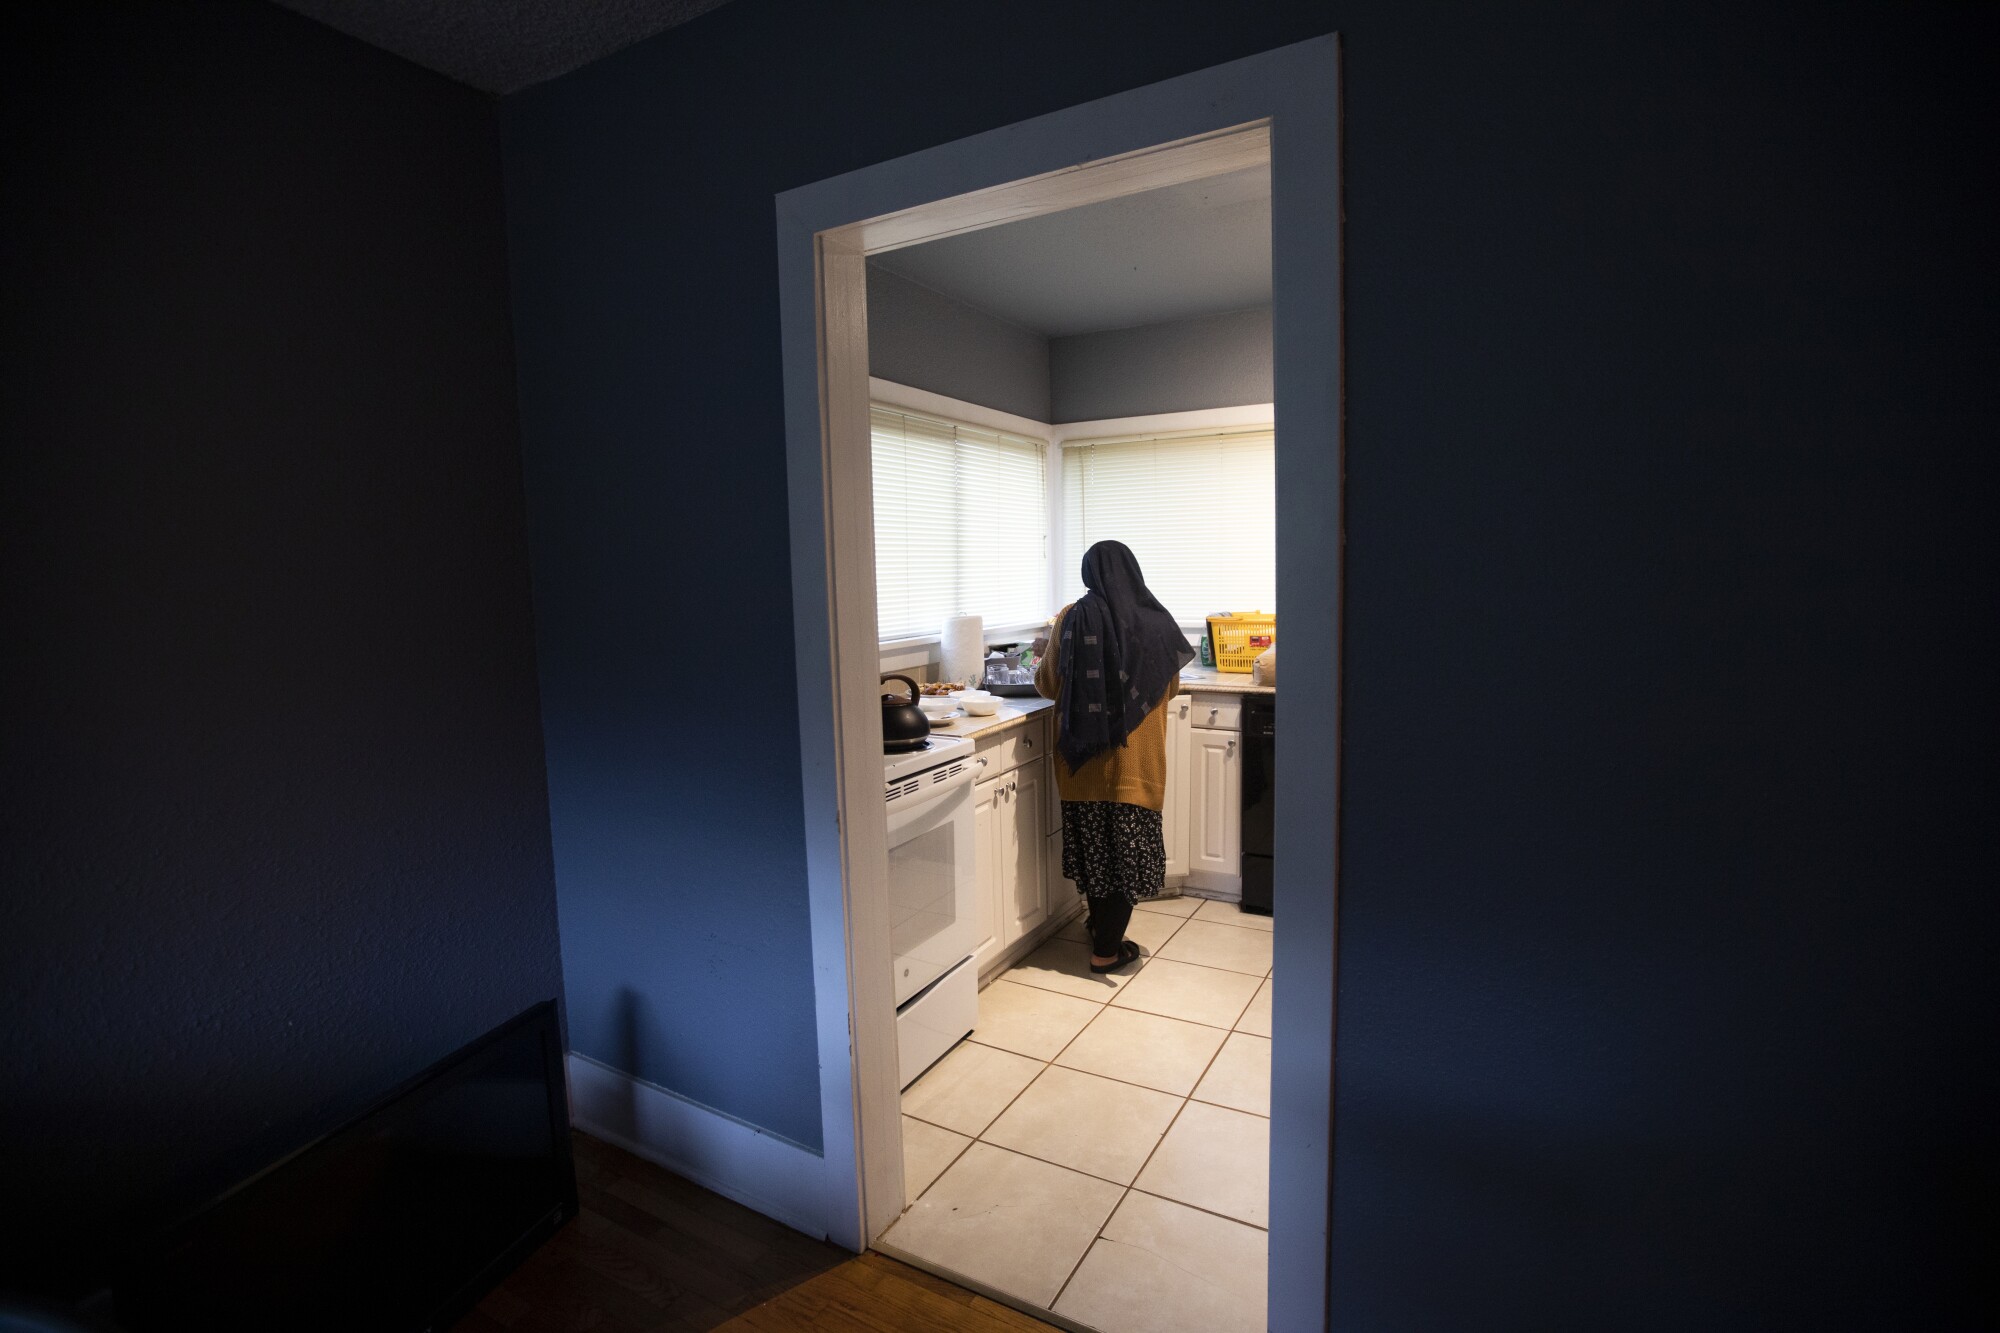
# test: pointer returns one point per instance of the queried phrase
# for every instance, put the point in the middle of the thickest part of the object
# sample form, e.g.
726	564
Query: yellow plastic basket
1238	637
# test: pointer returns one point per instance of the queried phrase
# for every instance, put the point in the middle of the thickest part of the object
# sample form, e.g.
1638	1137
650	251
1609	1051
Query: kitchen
1103	373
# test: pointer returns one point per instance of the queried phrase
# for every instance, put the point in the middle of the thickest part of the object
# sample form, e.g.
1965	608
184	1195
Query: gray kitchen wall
1211	361
928	341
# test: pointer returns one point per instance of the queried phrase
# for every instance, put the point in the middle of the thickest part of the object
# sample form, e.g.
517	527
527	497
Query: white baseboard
758	1169
1222	888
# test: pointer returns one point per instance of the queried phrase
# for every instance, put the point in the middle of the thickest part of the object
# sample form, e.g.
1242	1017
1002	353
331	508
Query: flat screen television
399	1220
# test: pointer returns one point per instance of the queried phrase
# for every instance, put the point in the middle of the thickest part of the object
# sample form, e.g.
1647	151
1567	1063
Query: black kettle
904	726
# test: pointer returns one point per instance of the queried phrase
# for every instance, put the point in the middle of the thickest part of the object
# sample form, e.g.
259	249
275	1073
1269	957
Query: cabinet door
988	815
1174	814
1024	850
1064	900
1052	807
1215	825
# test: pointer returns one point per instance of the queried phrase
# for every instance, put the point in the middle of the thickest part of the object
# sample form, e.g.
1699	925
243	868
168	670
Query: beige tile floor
1099	1146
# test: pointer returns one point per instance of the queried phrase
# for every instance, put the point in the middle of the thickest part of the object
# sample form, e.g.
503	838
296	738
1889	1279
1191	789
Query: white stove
937	750
933	899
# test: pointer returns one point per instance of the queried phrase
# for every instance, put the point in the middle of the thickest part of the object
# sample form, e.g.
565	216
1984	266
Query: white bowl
937	707
979	703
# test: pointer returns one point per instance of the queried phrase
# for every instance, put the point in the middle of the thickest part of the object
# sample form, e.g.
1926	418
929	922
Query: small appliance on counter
1006	674
904	726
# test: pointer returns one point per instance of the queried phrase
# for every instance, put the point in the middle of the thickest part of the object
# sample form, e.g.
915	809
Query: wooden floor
651	1253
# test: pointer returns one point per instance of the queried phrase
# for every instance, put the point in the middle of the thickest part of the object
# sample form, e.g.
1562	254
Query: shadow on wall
627	1013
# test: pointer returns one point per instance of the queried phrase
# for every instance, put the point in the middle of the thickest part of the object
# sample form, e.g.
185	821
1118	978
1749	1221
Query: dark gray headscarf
1119	650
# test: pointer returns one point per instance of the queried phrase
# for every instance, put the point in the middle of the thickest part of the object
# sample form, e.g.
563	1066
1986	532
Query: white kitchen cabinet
1215	808
1173	815
987	804
1064	900
1010	828
1026	892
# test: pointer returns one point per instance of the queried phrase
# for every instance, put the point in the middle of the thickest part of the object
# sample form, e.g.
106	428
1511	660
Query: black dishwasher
1259	734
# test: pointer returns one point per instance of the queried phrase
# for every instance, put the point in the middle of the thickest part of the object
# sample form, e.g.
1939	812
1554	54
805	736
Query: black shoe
1128	954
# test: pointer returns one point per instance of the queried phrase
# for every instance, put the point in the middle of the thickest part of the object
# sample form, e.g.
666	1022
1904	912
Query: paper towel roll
962	647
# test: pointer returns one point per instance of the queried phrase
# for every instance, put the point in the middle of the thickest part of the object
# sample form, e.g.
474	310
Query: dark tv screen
398	1221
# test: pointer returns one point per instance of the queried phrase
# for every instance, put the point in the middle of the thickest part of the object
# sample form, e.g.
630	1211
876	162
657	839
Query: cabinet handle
1027	742
1214	713
1230	748
982	762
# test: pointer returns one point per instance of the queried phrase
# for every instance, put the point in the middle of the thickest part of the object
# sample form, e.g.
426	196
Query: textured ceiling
1195	249
501	45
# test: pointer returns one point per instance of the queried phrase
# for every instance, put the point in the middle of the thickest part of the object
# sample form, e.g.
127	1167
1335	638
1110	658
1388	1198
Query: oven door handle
928	807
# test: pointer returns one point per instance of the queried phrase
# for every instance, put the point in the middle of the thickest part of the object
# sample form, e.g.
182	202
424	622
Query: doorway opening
1278	108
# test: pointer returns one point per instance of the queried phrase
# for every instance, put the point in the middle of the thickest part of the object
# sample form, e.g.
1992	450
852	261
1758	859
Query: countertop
1016	711
1013	712
1209	680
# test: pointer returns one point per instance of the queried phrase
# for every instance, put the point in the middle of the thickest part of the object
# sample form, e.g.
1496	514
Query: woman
1116	657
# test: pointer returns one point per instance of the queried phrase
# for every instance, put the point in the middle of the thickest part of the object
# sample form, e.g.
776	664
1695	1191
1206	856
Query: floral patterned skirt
1114	850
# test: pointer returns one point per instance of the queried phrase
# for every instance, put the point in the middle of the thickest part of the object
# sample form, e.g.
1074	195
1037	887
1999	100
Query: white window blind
1199	511
961	525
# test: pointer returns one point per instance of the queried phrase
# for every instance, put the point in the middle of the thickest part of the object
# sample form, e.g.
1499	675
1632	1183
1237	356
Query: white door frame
1284	103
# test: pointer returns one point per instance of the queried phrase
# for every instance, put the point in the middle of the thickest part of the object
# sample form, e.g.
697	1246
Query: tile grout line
1075	1171
963	1149
1134	1186
1007	975
1106	1004
1102	1006
1113	1078
1077	1267
978	1138
1051	1064
1047	1065
1227	925
1130	1188
1228	972
1196	1208
1263	934
1109	1078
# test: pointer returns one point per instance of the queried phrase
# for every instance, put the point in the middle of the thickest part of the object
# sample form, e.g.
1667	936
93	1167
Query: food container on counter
1239	637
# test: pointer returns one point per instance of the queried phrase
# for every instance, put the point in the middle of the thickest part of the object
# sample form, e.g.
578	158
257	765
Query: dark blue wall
275	833
1669	623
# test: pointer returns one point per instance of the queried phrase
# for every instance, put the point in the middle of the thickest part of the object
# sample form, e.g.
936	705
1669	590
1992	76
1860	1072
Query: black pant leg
1109	916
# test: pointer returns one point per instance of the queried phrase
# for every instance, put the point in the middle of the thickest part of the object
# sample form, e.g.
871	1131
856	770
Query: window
961	525
1198	510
